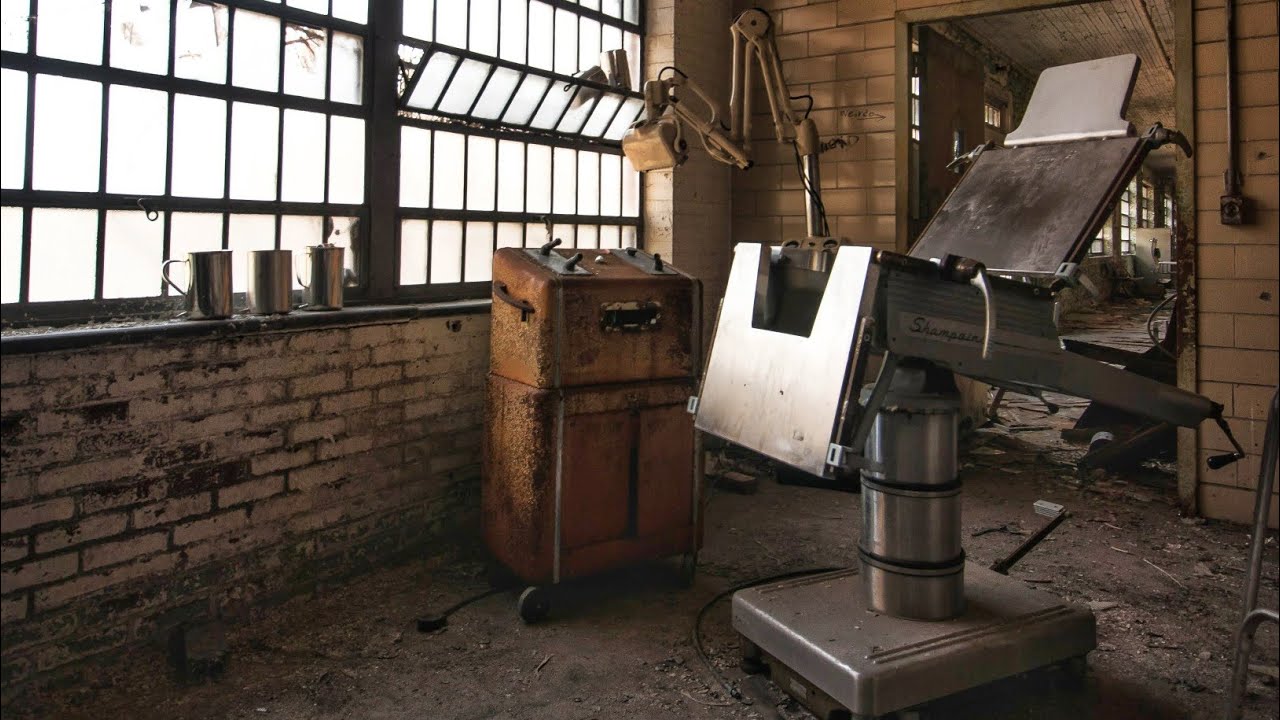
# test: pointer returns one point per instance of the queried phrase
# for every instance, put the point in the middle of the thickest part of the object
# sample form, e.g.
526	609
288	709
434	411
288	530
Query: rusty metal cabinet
591	460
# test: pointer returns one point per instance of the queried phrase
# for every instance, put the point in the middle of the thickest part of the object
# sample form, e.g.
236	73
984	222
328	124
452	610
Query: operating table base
826	650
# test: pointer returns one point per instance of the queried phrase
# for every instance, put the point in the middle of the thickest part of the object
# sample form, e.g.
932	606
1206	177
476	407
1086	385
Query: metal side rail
1253	615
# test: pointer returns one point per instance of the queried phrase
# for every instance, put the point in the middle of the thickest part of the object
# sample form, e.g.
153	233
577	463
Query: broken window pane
538	179
413	252
137	140
431	80
255	56
68	134
133	246
69	29
510	176
446	251
15	28
346	159
464	87
450	149
564	181
64	254
541	32
346	83
10	254
305	49
526	100
481	168
13	128
601	116
140	36
245	233
588	183
415	167
302	178
199	146
483	26
496	93
513	31
255	138
200	42
479	259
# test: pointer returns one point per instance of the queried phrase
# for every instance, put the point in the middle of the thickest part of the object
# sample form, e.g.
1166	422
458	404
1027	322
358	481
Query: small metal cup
617	69
323	288
208	291
270	290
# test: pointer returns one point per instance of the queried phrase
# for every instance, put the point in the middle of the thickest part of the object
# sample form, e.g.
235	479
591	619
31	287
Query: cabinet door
665	470
594	487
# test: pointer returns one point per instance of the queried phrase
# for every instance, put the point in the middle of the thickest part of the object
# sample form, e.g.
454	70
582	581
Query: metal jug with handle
322	285
208	291
270	292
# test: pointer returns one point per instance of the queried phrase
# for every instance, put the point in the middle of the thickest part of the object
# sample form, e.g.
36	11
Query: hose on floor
431	623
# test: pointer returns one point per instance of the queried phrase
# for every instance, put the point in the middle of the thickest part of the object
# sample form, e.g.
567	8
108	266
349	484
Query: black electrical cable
431	623
697	622
812	192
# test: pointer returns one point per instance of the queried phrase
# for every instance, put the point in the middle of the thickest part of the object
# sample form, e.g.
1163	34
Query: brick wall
1238	293
151	484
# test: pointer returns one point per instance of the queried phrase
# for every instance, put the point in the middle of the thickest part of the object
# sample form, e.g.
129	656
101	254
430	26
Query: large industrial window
138	130
993	115
1128	219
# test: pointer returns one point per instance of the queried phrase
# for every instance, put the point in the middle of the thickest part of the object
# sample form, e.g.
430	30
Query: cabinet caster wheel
534	604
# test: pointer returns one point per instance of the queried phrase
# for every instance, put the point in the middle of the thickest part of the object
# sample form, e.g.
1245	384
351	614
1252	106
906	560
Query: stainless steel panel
778	393
910	526
1078	101
913	594
874	664
270	282
912	447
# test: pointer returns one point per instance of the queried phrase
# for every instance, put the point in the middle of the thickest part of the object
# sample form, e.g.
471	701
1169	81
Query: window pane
484	27
481	166
255	138
588	236
67	134
541	28
199	146
611	39
538	179
552	107
358	10
10	253
200	51
192	232
415	167
631	11
137	140
565	234
479	260
514	16
631	43
315	6
13	128
526	100
140	36
610	237
347	76
64	251
447	170
296	233
431	80
419	22
345	232
413	252
588	183
630	191
601	116
304	60
629	236
564	181
584	101
446	251
535	234
588	43
303	157
627	115
245	233
612	8
69	29
610	185
255	57
346	160
510	176
14	27
133	250
496	93
464	87
566	42
451	24
509	234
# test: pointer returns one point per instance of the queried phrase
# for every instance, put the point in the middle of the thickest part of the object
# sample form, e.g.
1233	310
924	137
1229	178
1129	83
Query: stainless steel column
912	561
812	212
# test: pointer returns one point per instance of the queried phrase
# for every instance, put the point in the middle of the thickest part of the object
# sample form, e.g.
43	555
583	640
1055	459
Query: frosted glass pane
552	107
245	233
611	39
446	251
484	27
199	146
510	176
610	185
413	252
346	160
630	111
584	101
588	183
69	29
64	251
133	249
535	235
140	36
305	49
315	6
526	100
15	29
515	14
345	232
481	170
566	43
192	232
610	237
541	29
631	11
630	191
255	139
565	234
509	234
67	134
590	4
538	179
137	140
629	238
200	51
432	81
358	10
588	43
496	93
479	259
451	24
448	171
419	23
601	116
13	128
10	253
255	56
303	157
346	81
564	181
415	167
296	233
464	87
631	43
588	236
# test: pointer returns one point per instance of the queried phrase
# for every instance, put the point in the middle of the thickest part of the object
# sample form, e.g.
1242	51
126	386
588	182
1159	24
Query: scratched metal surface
1029	209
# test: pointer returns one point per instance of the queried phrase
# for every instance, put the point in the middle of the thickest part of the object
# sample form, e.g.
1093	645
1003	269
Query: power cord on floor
431	623
732	691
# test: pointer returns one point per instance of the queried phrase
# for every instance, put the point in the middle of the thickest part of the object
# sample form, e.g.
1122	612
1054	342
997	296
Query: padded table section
1030	209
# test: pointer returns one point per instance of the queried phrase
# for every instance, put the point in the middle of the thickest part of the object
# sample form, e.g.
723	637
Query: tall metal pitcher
208	291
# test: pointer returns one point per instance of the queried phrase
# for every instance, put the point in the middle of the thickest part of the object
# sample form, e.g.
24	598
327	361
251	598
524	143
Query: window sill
18	342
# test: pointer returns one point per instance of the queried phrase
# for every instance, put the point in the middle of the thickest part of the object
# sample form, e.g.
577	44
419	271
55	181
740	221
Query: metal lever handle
980	281
657	262
572	262
546	246
500	292
1217	462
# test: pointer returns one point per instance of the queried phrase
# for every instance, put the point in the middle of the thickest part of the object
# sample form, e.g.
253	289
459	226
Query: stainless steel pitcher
270	289
208	291
322	286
